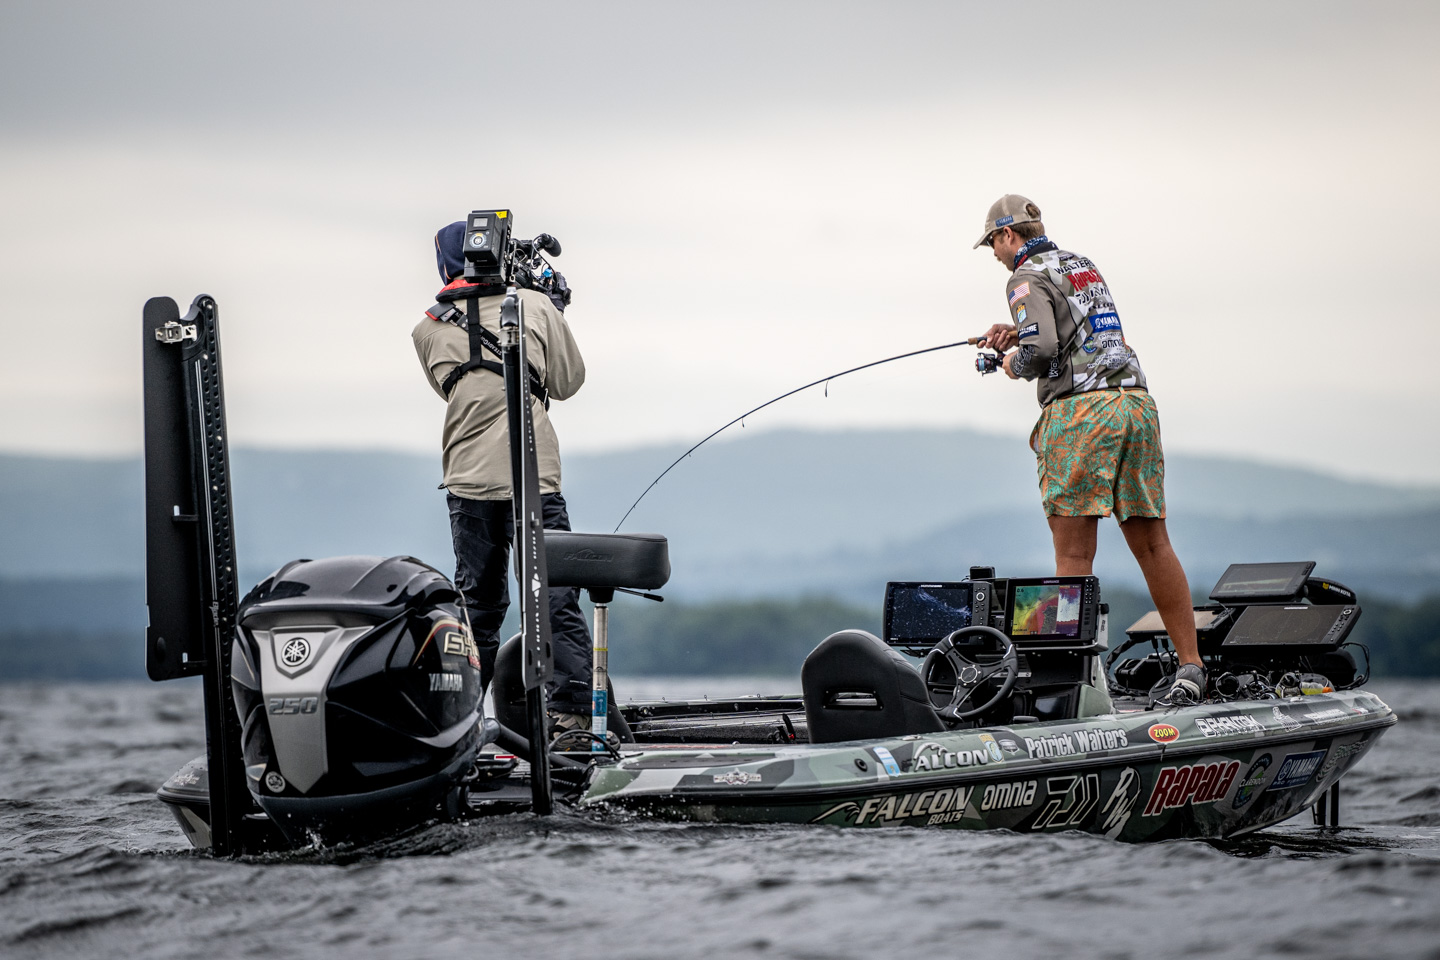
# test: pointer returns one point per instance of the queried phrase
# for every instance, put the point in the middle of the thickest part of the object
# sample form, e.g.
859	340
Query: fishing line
814	383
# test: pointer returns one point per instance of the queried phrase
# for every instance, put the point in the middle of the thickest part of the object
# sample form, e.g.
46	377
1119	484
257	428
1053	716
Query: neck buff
1024	252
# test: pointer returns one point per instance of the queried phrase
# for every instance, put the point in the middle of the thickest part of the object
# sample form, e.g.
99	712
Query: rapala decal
929	757
1196	784
1296	770
1229	725
1070	801
938	806
1164	733
1005	796
1251	781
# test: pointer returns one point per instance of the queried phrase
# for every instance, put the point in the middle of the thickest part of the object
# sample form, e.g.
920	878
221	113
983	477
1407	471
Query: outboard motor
357	682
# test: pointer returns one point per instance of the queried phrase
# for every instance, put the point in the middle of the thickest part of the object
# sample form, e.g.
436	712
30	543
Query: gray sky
750	196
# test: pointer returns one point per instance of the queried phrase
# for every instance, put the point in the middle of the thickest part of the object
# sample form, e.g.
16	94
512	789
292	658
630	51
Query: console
919	615
1052	611
1262	582
1278	629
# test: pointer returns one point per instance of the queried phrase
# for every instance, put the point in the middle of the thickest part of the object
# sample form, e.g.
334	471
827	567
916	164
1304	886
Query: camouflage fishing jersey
1070	336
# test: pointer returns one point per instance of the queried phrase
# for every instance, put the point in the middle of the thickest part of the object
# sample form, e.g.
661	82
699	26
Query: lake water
92	865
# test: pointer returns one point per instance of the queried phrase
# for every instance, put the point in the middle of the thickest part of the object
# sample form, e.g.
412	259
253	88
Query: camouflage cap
1006	212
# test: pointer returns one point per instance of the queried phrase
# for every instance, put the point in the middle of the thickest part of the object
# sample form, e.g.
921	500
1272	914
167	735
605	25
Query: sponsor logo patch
1339	754
1296	770
737	778
1019	292
1284	719
1026	332
1004	222
1083	278
295	651
887	760
1105	321
1020	314
446	683
1329	715
1195	784
938	806
1252	779
930	757
1164	733
1230	725
1005	796
461	644
991	747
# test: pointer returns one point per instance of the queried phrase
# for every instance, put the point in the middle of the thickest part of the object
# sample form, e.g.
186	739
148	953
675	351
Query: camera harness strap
480	341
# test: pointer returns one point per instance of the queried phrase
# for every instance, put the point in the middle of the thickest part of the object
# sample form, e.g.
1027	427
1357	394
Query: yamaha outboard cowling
357	682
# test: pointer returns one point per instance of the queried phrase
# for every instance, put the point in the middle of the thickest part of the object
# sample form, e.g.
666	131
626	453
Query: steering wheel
969	675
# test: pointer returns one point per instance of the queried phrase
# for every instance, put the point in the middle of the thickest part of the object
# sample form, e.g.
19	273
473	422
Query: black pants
482	531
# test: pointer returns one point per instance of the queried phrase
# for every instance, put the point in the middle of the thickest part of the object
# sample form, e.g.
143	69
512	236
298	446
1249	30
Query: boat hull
1209	771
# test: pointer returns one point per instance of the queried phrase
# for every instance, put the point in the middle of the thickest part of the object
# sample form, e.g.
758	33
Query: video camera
493	257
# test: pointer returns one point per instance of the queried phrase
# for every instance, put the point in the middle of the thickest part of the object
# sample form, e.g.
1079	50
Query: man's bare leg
1074	545
1169	589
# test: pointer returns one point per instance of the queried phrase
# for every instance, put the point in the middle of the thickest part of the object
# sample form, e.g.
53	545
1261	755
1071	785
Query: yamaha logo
295	652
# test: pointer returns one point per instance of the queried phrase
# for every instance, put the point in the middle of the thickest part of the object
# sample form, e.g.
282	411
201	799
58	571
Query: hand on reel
970	676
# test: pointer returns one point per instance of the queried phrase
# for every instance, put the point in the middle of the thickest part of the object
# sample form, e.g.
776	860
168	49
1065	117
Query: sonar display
1046	610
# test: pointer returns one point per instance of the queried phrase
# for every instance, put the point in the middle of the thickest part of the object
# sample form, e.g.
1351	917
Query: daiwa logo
1197	784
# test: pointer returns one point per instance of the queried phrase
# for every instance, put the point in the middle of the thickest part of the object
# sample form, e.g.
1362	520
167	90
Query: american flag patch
1021	291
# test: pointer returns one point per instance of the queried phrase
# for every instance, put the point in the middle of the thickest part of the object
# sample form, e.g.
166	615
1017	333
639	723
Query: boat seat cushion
858	688
635	561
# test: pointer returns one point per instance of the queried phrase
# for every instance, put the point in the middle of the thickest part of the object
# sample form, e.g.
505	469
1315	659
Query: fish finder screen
925	612
1045	609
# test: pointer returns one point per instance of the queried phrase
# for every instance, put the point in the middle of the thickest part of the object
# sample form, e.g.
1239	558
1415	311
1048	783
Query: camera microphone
549	244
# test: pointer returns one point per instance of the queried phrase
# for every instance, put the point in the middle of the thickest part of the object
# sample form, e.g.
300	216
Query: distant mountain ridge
771	513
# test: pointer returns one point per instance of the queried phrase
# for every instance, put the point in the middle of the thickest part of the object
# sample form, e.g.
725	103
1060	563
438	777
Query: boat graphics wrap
1230	768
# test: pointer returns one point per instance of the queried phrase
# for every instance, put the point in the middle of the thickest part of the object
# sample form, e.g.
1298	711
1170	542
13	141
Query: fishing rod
985	363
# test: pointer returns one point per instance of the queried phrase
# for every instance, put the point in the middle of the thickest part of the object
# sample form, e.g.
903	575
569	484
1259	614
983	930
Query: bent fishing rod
985	363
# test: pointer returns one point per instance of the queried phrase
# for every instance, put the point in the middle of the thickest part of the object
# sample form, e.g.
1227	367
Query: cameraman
1098	437
476	442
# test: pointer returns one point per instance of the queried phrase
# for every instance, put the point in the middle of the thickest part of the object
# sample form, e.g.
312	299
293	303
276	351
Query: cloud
749	197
